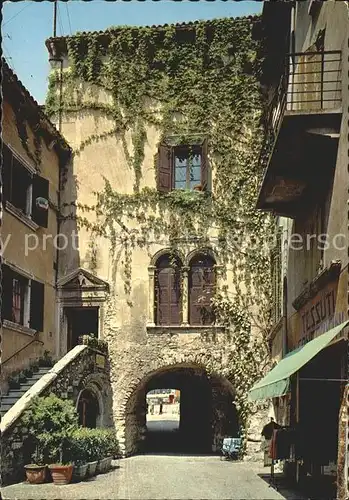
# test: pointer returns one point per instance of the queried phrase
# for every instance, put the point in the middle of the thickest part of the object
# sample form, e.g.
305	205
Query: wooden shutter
168	297
6	172
40	189
6	305
164	168
204	167
37	298
201	290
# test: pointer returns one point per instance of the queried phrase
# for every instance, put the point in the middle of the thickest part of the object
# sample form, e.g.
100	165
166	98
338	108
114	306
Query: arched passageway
207	412
88	409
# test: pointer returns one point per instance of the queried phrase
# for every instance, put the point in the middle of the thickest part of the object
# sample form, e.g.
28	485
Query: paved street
162	477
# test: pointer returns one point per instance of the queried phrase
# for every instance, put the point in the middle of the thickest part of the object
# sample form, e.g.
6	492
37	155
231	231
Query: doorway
88	409
81	321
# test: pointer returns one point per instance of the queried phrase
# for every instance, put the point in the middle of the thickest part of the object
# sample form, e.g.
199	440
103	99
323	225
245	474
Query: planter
104	465
101	466
91	469
108	463
61	474
79	472
36	474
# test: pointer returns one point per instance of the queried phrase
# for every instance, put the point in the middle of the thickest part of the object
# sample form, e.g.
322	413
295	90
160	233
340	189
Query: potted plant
102	444
112	448
45	361
34	366
92	452
36	472
51	421
79	454
13	381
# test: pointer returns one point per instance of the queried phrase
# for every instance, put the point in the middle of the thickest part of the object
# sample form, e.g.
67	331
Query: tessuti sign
321	308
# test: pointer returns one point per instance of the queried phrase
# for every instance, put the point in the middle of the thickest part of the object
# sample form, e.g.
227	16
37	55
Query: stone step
26	386
16	393
5	407
8	400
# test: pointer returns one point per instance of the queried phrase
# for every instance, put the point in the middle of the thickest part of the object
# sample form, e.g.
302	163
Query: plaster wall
39	264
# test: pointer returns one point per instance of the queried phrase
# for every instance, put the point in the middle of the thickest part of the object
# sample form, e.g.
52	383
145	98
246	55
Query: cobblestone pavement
161	477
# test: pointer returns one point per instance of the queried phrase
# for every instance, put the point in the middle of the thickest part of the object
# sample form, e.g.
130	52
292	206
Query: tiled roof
12	78
179	26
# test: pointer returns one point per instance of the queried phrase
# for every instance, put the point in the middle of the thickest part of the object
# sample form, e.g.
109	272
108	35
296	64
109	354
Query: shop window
22	189
201	290
183	167
168	297
22	300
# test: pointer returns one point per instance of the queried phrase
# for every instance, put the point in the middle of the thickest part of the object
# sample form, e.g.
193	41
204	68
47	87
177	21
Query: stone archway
95	394
207	410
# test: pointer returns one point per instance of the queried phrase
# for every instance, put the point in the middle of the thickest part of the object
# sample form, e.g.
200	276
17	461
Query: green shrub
89	445
51	422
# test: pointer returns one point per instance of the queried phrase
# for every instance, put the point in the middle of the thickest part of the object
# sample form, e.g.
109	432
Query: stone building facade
146	194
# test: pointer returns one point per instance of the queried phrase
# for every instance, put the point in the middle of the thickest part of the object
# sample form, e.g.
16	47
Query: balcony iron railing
311	82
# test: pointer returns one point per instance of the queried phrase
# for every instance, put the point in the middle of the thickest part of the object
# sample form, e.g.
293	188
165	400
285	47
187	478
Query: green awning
277	382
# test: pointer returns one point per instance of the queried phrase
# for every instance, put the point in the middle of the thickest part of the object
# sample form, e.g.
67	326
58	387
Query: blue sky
27	24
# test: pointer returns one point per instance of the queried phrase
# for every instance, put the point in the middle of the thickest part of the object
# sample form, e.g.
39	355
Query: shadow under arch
207	412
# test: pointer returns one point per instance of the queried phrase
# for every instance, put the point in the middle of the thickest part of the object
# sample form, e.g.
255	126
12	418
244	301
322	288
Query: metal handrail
22	349
283	98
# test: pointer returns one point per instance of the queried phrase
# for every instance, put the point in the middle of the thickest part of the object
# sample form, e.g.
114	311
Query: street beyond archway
158	477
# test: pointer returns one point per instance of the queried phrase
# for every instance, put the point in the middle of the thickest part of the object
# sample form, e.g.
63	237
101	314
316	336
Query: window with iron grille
183	167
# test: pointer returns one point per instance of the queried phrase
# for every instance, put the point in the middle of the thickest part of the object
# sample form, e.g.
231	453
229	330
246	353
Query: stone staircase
15	394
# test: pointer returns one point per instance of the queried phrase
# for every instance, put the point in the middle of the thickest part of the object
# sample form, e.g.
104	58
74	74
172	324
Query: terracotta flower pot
36	474
61	474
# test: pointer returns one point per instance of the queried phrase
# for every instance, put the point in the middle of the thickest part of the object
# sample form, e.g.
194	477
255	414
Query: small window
183	167
168	295
22	300
187	167
201	290
22	189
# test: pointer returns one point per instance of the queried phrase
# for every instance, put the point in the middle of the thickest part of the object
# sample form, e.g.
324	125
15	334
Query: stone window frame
185	259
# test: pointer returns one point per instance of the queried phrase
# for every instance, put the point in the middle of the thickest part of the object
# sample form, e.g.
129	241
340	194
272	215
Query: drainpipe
62	164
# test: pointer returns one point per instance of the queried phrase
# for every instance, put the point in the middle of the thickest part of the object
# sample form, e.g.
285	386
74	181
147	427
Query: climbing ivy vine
190	82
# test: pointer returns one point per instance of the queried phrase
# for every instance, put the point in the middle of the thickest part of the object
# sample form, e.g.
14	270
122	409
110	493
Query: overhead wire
66	5
28	5
60	21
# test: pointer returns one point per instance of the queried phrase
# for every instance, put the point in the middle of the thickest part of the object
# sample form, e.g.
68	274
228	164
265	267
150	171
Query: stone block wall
79	373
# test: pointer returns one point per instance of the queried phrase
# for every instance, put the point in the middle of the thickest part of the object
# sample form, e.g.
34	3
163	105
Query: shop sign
317	312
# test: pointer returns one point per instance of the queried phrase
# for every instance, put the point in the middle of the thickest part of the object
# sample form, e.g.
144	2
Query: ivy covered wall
124	91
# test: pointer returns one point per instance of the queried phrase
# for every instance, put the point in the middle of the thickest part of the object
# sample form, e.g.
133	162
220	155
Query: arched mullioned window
202	282
168	296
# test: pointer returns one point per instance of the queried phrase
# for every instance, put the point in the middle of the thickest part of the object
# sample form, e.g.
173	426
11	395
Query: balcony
303	123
